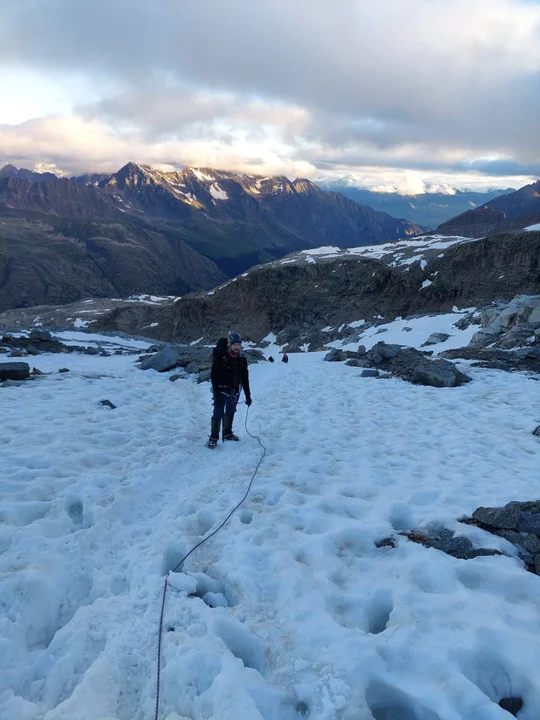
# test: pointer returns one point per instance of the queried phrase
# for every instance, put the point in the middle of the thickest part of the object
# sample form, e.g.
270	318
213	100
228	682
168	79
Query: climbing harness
235	508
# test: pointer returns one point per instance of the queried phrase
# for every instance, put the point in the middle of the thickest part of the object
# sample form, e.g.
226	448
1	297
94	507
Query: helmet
234	338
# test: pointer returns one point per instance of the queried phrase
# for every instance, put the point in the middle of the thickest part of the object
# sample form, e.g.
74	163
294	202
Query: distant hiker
270	359
229	375
285	358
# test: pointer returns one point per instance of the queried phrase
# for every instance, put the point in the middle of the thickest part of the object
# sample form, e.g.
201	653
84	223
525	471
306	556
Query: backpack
220	349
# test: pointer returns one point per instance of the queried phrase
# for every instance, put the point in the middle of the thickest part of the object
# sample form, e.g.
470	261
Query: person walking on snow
285	358
229	375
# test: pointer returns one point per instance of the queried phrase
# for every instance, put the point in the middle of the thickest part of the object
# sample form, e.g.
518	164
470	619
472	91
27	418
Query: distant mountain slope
428	209
509	212
60	197
23	174
269	216
51	260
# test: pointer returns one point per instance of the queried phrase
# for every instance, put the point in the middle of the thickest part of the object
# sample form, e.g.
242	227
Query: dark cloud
429	83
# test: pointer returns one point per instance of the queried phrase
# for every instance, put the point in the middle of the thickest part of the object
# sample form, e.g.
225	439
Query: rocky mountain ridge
311	297
512	211
67	239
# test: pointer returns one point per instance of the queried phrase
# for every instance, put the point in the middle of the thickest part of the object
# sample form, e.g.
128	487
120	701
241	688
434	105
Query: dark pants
225	402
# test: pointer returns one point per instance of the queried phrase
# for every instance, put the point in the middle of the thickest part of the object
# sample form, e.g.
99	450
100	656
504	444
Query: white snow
218	193
400	250
79	323
426	284
533	227
201	176
356	323
147	299
291	602
420	329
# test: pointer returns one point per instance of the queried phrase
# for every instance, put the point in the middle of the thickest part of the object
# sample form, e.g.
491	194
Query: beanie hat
234	338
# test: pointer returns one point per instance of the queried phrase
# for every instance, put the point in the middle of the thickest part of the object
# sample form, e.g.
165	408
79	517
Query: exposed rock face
507	212
294	296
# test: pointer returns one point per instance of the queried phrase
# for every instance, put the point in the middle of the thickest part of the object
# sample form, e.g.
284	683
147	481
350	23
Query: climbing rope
235	508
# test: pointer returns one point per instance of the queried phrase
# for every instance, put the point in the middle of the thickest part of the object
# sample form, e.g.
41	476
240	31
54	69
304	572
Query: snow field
291	610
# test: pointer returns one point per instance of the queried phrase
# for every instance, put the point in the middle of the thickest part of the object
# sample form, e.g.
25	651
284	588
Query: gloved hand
248	400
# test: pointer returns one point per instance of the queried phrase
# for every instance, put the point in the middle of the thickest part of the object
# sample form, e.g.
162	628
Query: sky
406	95
291	611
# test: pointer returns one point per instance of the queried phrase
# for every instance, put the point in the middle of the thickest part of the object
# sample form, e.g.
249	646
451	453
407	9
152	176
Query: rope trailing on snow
165	584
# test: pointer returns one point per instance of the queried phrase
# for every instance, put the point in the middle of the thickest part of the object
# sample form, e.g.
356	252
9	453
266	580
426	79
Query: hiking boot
212	442
231	436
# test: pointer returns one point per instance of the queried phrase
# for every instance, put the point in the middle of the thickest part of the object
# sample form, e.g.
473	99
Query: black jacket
229	372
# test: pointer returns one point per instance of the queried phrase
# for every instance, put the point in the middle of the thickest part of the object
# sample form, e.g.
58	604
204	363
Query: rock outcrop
404	362
508	338
517	522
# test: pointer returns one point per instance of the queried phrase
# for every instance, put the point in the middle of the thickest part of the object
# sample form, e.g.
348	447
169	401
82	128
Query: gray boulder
14	371
335	355
357	362
44	335
163	360
435	338
204	375
412	365
388	351
483	338
192	368
464	322
506	518
370	372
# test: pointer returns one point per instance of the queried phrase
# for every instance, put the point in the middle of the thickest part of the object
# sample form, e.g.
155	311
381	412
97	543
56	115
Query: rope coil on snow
235	508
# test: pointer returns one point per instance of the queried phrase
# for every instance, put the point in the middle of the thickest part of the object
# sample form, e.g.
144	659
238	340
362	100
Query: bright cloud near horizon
401	95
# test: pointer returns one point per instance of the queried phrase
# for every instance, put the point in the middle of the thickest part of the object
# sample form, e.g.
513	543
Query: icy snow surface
291	610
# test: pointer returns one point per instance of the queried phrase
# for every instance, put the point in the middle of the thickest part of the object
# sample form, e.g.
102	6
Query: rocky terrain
297	296
142	230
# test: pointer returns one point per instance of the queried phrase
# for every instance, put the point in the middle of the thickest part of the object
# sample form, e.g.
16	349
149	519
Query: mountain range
144	230
511	211
429	209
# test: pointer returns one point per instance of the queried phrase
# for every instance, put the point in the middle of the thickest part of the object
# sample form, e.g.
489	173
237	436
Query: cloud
423	84
74	145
